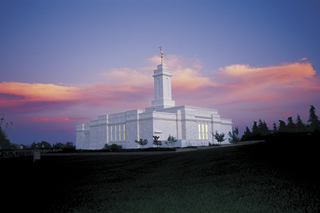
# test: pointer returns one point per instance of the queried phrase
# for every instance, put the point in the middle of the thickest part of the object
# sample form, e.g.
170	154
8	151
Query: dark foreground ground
251	178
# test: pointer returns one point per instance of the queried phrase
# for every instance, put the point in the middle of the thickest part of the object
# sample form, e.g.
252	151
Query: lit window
119	132
199	131
207	131
124	131
115	132
110	132
202	131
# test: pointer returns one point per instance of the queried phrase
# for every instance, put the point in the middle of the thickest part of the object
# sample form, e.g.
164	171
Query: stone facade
192	126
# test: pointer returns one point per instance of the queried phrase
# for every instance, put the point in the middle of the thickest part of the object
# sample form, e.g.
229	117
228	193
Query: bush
171	141
156	141
219	137
191	147
142	142
115	147
214	144
106	146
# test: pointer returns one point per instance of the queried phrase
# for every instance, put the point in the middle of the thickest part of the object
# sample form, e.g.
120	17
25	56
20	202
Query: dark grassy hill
264	177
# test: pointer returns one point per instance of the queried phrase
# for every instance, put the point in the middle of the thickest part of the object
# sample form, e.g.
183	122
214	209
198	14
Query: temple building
190	125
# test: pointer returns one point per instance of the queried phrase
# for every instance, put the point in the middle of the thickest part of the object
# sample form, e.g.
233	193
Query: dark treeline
292	130
58	145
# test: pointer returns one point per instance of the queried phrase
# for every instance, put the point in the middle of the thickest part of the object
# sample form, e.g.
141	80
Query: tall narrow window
119	132
207	132
115	132
202	131
168	89
158	88
124	131
199	127
110	132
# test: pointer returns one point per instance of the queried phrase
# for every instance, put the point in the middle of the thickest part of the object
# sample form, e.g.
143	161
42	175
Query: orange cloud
16	94
284	75
43	92
270	83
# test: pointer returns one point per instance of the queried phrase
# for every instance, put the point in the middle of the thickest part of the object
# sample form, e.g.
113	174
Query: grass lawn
250	178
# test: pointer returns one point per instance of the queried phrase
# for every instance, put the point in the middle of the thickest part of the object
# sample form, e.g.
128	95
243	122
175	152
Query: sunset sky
66	62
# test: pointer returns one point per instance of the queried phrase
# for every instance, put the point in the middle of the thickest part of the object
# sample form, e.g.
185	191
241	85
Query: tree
314	123
233	137
171	141
44	145
59	145
219	137
291	127
142	142
274	128
21	146
263	128
4	131
69	145
282	126
247	134
255	129
7	127
156	141
300	126
33	145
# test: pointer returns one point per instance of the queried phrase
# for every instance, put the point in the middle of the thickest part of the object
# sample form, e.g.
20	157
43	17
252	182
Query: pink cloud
303	59
43	92
52	119
272	84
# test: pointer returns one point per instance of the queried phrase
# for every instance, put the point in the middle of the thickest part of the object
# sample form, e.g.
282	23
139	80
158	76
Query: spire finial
161	54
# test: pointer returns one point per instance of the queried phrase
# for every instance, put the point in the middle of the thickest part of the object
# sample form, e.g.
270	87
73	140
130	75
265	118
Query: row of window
118	132
203	131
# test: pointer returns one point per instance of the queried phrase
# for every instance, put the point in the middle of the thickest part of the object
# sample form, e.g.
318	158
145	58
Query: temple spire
162	88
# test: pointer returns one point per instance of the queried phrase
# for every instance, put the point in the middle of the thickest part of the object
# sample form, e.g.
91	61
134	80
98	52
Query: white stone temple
191	126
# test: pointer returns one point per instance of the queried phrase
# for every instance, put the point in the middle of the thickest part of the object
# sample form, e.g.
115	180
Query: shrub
233	136
142	142
219	137
171	141
156	141
115	147
106	146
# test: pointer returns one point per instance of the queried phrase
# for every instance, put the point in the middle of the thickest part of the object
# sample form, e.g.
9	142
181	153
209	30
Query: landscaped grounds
251	178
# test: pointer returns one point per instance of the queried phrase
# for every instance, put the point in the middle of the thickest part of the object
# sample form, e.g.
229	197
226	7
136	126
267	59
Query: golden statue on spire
161	52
